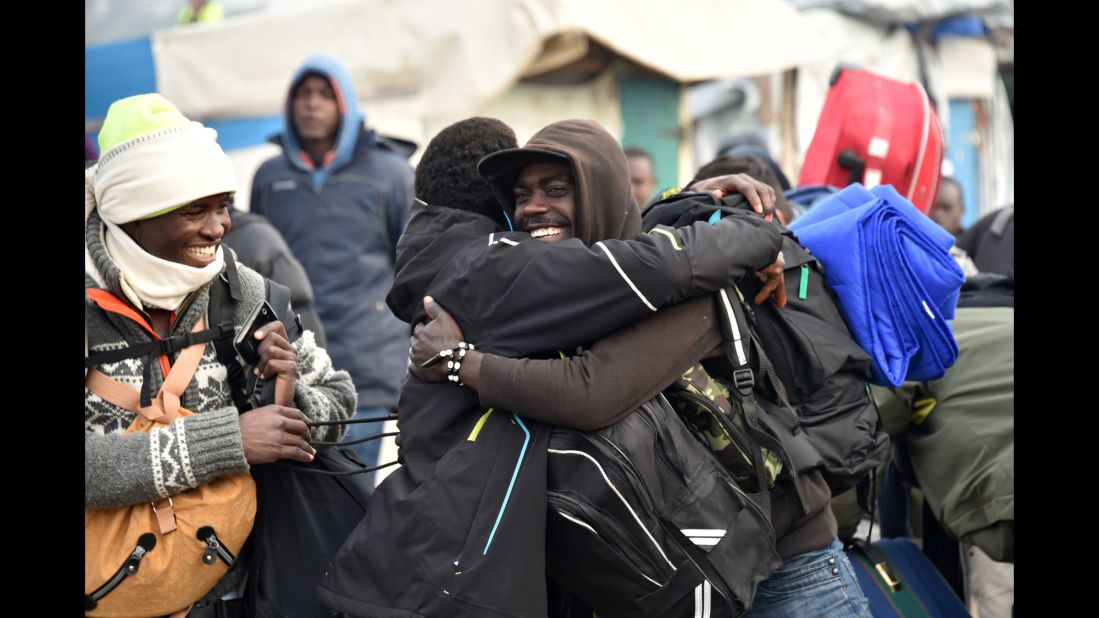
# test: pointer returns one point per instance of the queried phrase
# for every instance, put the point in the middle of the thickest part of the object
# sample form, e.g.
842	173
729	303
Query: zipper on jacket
214	547
511	485
145	544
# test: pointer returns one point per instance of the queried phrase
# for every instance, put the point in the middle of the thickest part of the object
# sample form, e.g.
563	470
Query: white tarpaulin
453	59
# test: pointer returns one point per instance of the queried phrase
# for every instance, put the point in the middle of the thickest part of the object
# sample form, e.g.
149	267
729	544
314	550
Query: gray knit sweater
122	469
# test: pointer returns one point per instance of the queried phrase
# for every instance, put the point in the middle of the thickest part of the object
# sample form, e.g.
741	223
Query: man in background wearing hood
339	194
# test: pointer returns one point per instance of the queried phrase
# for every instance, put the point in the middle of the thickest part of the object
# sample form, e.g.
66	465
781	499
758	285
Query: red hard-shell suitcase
877	130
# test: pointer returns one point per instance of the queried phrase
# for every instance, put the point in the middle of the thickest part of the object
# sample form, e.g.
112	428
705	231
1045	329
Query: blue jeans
816	583
367	451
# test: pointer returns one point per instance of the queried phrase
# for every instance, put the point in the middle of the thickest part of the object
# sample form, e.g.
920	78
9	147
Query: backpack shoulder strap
165	407
740	340
158	347
224	295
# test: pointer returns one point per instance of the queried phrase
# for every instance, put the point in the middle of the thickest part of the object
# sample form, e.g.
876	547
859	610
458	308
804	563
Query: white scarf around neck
157	283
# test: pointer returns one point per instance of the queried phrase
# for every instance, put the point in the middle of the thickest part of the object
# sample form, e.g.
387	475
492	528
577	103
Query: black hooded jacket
459	529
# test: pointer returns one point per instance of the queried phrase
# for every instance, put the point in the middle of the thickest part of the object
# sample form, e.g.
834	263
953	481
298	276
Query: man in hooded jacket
339	194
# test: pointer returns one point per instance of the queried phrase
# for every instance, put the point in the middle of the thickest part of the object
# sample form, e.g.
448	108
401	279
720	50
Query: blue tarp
121	69
238	132
894	278
115	71
243	132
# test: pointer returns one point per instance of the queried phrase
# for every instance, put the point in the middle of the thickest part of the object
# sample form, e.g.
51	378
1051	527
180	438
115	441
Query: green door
650	120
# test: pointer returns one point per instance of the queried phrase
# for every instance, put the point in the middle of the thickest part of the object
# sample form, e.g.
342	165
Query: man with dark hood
459	529
339	194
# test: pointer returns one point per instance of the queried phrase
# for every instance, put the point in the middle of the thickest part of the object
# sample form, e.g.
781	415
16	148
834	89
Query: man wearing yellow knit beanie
155	212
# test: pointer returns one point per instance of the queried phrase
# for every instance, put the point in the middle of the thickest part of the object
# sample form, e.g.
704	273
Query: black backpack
808	373
668	510
643	520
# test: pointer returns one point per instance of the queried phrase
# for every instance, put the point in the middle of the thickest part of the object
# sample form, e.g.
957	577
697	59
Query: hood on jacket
351	118
605	206
430	240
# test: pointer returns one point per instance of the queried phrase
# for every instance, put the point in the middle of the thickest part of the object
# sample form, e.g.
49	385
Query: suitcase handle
887	576
880	561
849	160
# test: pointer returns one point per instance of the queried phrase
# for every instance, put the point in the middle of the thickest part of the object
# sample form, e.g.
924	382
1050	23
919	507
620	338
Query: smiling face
189	235
545	201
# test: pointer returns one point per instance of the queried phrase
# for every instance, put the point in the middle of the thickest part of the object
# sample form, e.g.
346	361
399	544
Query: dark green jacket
960	432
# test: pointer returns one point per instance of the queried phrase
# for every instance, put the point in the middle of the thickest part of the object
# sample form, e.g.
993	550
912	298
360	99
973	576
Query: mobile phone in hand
246	343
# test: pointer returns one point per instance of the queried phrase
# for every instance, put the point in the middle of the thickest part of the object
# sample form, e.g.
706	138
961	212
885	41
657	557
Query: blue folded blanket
895	280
